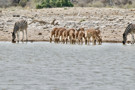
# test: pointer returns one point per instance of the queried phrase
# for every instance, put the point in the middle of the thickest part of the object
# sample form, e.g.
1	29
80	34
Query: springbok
130	29
81	35
67	35
95	36
72	36
99	37
63	36
18	27
77	32
60	34
53	34
56	39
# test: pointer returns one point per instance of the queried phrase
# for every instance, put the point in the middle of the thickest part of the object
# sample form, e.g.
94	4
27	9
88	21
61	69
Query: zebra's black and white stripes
18	27
130	29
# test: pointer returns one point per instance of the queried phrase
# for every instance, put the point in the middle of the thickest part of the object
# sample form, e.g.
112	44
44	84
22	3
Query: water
45	66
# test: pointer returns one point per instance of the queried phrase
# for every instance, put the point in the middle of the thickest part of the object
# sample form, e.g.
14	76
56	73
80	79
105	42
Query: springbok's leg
88	40
85	40
81	41
51	38
70	39
94	40
59	39
98	39
74	41
62	38
78	41
132	39
54	39
66	40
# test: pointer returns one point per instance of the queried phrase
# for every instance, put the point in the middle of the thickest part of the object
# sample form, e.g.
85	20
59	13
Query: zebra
130	29
21	25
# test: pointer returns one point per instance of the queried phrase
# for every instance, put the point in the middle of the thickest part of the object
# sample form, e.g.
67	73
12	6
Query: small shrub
38	6
54	3
58	4
70	4
82	20
97	4
65	8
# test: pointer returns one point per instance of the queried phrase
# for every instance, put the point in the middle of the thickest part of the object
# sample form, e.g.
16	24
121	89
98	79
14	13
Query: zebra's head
127	31
13	37
124	39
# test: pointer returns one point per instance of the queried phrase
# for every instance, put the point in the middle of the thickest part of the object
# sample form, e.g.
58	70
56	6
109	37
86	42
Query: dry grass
96	4
129	6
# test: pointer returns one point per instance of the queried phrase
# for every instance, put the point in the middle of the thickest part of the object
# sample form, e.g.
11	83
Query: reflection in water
45	66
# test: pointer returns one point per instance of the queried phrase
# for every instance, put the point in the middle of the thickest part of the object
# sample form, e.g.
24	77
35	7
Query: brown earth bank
111	21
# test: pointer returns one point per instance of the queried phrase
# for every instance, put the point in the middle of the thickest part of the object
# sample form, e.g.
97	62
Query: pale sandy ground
111	21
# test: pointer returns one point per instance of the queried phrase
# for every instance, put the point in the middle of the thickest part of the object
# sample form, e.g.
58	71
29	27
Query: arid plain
111	21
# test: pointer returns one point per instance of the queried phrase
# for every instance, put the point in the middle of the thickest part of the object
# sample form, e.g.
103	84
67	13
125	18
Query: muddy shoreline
53	42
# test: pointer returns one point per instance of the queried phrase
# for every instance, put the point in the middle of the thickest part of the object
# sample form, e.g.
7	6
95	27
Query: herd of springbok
75	36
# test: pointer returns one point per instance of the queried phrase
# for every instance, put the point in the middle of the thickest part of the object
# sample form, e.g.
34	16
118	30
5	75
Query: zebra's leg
133	40
23	35
18	34
26	35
